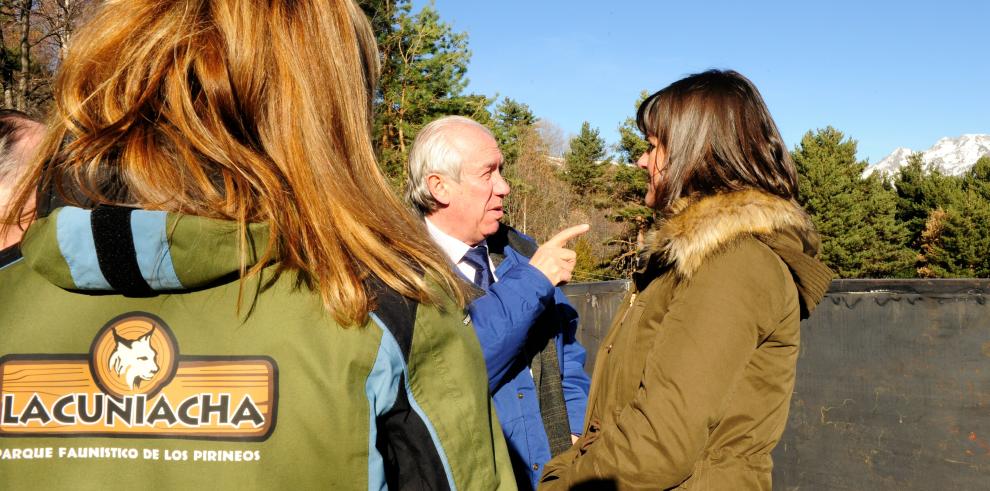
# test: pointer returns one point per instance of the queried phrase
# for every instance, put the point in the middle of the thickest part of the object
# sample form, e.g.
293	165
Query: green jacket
692	384
132	356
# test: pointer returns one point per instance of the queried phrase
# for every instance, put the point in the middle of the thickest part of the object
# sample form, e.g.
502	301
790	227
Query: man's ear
439	186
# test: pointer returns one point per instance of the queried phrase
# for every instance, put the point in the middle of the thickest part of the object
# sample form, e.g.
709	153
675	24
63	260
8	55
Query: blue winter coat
513	319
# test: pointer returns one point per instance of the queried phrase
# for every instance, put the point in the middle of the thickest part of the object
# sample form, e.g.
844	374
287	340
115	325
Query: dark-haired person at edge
233	298
20	136
692	384
523	320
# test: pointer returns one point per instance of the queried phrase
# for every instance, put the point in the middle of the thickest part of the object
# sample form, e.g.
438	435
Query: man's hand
554	260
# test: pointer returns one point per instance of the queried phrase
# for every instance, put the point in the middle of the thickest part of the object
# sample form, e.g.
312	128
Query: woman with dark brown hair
692	384
234	297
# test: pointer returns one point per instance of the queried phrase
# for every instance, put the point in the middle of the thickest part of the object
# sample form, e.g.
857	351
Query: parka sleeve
575	381
503	316
707	336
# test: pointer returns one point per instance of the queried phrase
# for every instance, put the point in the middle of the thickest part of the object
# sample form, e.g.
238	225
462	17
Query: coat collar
83	249
699	227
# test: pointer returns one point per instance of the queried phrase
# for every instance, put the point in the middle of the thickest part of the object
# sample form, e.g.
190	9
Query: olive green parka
183	376
692	384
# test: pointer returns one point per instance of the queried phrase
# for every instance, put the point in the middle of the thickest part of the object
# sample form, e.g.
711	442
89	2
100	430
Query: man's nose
501	186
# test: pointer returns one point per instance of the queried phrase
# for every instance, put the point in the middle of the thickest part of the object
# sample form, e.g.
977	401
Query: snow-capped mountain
953	155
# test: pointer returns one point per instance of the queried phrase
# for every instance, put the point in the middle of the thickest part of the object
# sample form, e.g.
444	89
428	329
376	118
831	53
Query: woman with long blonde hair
232	287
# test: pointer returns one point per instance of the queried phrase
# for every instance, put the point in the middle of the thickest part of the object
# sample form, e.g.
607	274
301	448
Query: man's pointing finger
567	234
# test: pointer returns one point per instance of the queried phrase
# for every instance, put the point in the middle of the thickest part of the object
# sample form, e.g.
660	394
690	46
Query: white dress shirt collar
455	250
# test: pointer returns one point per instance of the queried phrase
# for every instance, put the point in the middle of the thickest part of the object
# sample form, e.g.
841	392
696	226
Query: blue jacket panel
520	302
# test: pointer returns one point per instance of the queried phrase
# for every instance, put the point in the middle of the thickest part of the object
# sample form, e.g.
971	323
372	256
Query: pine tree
631	143
423	76
510	120
628	192
978	178
931	263
957	240
627	186
972	251
920	190
855	216
889	254
583	162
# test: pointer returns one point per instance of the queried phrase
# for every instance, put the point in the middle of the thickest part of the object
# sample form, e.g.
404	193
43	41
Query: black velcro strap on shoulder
398	313
410	457
115	250
9	255
411	460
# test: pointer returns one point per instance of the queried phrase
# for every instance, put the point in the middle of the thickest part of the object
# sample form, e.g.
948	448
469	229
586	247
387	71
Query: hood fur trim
700	227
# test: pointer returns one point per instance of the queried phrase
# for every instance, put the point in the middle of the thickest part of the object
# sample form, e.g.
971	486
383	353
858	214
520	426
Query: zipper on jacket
632	300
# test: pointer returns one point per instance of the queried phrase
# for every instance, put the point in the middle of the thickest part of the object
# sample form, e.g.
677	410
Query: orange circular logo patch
134	353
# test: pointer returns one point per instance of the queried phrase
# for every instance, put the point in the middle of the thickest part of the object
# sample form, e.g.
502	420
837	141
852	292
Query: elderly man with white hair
524	323
20	136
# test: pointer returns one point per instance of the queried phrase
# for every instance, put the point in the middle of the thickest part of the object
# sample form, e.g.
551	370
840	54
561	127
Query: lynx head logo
134	353
134	359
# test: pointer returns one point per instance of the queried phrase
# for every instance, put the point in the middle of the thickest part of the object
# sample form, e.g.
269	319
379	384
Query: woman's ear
439	186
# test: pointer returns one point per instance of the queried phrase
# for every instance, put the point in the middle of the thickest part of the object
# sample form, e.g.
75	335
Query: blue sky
888	74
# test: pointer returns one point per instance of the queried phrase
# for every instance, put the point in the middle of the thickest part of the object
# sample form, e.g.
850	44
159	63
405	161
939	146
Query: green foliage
626	189
510	120
855	216
587	266
887	253
921	189
631	143
629	183
956	241
978	178
424	68
583	162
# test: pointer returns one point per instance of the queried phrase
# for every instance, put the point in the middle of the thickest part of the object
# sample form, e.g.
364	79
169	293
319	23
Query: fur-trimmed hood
700	227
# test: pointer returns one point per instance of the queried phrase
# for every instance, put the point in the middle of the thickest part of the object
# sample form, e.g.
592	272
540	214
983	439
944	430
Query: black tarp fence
893	384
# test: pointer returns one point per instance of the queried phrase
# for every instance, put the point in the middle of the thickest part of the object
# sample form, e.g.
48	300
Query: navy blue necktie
478	257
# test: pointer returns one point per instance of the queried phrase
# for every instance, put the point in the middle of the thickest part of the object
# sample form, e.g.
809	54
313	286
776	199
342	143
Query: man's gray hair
14	125
433	152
